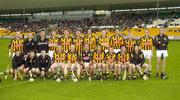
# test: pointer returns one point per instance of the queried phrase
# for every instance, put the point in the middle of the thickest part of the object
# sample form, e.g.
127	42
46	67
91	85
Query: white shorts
50	53
38	54
147	53
86	64
159	53
117	50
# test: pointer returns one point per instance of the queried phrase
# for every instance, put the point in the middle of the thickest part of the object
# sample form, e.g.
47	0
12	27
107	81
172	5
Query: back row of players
97	57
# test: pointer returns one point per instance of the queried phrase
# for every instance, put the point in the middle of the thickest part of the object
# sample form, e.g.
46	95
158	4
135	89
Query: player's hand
9	54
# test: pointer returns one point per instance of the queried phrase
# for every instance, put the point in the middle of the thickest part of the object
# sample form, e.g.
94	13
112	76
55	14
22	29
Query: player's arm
142	59
10	47
165	41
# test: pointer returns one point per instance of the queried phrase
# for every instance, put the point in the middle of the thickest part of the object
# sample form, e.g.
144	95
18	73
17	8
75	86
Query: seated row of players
96	64
115	42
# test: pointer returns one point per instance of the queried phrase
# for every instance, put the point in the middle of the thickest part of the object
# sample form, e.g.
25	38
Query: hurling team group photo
80	56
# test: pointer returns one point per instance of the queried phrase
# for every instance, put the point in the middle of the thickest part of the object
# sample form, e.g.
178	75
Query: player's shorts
147	53
50	53
106	51
38	54
117	50
160	53
86	64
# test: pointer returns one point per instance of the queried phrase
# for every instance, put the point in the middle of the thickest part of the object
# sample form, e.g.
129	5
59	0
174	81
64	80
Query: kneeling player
58	66
72	58
44	62
86	61
18	65
98	62
110	61
123	59
31	65
138	61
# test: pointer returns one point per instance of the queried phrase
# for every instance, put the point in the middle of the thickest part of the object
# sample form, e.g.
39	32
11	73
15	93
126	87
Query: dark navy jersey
86	56
42	45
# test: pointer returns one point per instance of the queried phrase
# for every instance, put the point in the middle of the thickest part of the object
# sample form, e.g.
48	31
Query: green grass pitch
153	89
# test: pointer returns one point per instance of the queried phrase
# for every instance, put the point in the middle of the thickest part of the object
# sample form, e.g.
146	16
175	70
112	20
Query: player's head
89	31
30	35
53	33
103	32
18	35
130	35
78	33
31	54
72	47
42	34
59	48
117	31
43	53
123	48
161	31
111	50
147	33
136	47
66	32
86	47
99	48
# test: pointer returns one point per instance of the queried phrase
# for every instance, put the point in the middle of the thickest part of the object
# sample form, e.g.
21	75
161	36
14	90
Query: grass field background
153	89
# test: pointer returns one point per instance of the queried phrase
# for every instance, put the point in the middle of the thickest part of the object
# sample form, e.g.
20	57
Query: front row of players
96	65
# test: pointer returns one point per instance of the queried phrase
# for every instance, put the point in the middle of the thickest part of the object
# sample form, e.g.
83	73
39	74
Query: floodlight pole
157	4
157	13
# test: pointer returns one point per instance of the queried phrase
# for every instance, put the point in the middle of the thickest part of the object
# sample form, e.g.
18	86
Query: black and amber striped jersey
103	41
98	57
91	40
66	43
123	57
111	58
53	41
130	44
146	43
72	57
59	57
116	41
16	45
78	42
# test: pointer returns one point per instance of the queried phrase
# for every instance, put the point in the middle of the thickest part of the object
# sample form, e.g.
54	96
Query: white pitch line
9	85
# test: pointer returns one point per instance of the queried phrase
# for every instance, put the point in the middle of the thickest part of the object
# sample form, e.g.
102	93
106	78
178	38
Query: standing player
66	41
103	40
138	61
123	60
129	43
116	41
44	63
73	63
78	42
42	43
59	63
52	43
110	61
29	44
86	57
98	60
146	44
16	44
161	43
90	40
